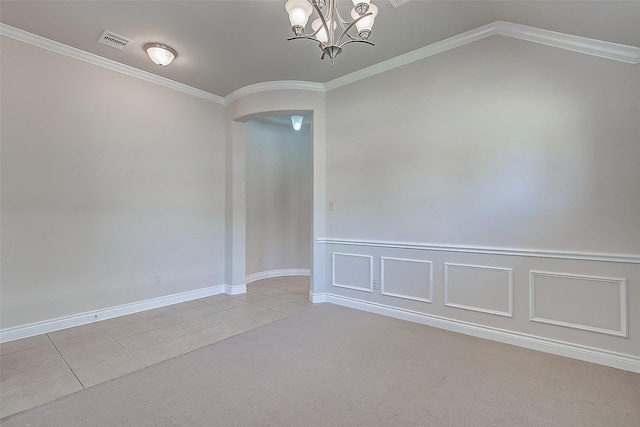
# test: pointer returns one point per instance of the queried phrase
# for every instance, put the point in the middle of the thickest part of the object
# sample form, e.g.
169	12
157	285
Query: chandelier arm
350	26
357	41
304	36
332	47
342	21
324	21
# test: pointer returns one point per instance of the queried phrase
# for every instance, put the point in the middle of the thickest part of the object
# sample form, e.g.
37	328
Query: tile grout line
195	348
65	361
123	347
303	291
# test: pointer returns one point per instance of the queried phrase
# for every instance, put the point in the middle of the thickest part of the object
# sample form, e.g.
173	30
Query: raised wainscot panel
407	278
479	288
353	271
590	303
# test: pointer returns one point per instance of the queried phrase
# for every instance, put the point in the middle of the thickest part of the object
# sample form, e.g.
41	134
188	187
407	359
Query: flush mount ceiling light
160	54
296	122
363	14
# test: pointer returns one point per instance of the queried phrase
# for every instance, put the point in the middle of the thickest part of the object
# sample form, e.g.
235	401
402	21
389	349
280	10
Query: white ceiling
226	45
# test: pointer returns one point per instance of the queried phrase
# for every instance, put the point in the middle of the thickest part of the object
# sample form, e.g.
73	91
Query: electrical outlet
375	284
156	280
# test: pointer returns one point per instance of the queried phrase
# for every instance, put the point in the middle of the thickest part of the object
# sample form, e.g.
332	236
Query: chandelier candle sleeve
324	27
365	24
360	6
299	12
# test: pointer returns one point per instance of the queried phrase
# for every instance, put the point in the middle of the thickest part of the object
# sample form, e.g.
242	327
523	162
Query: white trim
72	52
622	284
415	55
356	288
37	328
235	289
599	48
508	313
588	354
278	273
277	85
535	253
317	298
409	297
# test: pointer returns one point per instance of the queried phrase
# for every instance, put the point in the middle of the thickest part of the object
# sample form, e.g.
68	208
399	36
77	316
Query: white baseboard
235	289
278	273
588	354
37	328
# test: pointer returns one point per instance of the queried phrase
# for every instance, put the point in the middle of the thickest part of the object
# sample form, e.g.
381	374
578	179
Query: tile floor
45	367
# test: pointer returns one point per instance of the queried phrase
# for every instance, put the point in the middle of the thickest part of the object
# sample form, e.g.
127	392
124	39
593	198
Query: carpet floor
335	366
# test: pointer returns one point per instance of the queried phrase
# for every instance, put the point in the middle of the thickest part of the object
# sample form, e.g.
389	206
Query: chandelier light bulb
322	33
325	22
299	12
365	24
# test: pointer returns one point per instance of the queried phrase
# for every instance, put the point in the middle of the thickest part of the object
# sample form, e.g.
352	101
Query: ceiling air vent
396	3
114	40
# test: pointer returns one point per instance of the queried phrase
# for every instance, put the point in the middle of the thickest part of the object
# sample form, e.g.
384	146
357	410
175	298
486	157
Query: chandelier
324	27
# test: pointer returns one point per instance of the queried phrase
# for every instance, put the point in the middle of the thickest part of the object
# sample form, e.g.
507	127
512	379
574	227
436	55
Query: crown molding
602	49
415	55
599	48
277	85
63	49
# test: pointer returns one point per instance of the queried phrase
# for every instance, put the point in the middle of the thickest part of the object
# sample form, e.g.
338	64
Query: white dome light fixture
324	27
160	54
296	121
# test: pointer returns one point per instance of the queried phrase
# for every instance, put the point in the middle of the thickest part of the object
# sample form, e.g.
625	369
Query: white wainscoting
479	288
589	303
352	271
406	278
37	328
589	313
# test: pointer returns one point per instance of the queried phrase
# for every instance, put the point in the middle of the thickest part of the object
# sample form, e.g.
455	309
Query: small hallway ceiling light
356	30
160	54
296	122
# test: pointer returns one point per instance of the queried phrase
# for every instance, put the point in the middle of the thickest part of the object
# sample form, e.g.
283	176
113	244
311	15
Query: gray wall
107	182
279	197
498	144
471	191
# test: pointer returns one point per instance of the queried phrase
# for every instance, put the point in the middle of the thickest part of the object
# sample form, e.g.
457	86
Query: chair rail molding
535	253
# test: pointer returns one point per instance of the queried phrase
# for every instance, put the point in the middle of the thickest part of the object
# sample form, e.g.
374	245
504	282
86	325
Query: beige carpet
334	366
